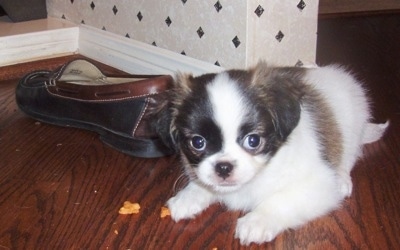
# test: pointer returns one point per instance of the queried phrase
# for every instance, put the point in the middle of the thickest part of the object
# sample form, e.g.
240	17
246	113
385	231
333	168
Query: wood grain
354	6
61	188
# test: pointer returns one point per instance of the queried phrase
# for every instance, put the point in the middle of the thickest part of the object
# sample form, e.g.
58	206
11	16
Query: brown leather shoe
80	95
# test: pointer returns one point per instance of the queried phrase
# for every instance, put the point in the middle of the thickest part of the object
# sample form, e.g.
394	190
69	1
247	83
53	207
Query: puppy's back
348	102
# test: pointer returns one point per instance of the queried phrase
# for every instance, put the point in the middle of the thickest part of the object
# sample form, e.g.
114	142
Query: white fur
296	185
229	110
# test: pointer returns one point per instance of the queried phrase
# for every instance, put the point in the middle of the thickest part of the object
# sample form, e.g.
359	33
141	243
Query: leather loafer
80	95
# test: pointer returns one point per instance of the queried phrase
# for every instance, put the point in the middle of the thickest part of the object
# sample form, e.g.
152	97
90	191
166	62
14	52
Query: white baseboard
51	37
30	41
136	57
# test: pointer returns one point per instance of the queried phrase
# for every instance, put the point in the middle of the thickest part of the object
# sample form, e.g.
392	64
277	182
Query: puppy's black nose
223	169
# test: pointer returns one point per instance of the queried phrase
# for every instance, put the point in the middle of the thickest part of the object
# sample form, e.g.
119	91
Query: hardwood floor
61	188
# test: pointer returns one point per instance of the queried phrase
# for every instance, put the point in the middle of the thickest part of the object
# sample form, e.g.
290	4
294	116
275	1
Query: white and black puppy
278	143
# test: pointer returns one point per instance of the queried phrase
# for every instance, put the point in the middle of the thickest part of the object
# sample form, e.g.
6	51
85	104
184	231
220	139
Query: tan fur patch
326	127
180	91
183	82
290	78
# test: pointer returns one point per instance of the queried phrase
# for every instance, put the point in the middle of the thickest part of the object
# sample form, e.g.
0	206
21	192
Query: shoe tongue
81	69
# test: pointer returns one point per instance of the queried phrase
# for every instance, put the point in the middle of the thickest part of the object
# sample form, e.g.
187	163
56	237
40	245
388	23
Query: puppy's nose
223	169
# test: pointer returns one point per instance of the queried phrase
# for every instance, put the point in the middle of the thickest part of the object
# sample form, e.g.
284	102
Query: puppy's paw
188	203
345	185
182	208
255	227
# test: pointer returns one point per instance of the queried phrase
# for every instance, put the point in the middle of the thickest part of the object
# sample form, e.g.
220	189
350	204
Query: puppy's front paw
183	208
189	202
255	227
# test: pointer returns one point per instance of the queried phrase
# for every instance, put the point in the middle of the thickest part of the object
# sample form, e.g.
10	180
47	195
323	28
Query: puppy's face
228	125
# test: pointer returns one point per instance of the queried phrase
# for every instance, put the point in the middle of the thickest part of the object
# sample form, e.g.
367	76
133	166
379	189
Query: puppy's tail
374	132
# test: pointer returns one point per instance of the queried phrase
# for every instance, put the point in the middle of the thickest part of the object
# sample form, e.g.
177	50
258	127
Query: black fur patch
195	117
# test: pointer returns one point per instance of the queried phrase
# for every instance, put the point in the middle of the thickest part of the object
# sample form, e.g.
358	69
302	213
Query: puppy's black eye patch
201	138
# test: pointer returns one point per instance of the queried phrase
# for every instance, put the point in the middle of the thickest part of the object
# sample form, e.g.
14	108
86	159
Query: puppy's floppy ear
163	117
281	91
183	83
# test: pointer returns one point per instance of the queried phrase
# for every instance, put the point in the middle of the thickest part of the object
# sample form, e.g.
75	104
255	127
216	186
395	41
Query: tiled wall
230	33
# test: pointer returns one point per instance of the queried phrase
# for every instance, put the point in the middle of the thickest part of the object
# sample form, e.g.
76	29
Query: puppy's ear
281	91
164	115
183	83
285	111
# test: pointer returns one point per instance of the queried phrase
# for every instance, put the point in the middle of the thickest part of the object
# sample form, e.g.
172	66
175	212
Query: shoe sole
150	148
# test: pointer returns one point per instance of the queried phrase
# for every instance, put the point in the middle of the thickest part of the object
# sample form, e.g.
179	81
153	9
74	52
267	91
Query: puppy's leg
371	133
289	208
344	180
257	226
352	151
190	201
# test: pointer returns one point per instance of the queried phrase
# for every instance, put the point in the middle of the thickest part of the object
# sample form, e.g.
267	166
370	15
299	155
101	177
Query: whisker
184	179
181	182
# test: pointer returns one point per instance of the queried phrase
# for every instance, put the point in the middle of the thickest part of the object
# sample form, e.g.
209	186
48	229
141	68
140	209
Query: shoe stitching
103	100
140	117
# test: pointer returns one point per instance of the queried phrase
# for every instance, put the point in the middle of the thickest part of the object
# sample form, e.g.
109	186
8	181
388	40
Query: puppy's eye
198	142
252	141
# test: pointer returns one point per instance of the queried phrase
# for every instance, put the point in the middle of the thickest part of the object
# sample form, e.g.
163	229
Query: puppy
277	143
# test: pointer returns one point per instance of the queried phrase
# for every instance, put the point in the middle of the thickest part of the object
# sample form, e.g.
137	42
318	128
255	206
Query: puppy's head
228	125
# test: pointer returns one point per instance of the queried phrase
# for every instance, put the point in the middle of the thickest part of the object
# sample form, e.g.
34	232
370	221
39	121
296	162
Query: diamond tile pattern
115	10
279	36
236	41
259	11
301	5
218	6
139	16
226	33
299	64
200	32
168	21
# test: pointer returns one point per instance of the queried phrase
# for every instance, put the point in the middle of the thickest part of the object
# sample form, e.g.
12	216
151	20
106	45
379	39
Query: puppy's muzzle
223	169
